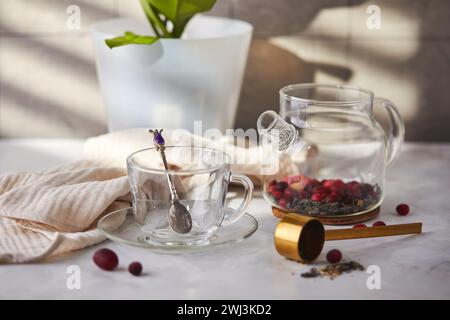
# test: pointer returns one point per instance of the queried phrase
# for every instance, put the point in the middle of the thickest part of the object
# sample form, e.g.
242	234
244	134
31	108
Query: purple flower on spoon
158	139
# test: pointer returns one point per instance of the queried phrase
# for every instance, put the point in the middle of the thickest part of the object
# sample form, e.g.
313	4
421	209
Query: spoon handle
173	191
372	232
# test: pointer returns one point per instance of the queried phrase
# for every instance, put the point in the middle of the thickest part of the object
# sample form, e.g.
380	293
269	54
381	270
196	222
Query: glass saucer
120	226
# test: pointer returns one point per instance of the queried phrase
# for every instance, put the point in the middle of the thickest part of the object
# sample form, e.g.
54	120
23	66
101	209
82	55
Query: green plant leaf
158	12
181	11
130	38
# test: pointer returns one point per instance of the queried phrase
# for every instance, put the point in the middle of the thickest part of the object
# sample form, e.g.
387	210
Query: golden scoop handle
371	232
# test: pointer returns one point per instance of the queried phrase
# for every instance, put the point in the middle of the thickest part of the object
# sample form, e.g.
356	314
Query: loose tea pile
327	197
333	270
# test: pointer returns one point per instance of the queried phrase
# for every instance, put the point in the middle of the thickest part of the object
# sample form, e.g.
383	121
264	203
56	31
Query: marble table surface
409	267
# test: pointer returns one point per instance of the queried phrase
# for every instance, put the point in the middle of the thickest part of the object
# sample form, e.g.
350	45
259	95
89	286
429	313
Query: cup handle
248	193
396	130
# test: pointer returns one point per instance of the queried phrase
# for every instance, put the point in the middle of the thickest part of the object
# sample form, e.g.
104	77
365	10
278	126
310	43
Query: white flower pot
173	82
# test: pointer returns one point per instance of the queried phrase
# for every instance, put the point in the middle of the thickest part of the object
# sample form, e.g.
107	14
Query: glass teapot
330	153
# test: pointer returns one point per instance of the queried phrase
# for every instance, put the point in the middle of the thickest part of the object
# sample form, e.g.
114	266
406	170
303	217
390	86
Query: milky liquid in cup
207	216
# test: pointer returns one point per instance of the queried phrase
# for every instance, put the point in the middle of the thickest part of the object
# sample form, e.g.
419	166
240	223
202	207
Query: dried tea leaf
333	270
313	273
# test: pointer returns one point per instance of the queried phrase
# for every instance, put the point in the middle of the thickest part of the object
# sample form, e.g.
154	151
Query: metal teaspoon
179	217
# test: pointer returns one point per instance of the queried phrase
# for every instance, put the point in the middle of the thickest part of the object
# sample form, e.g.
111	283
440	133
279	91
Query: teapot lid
276	130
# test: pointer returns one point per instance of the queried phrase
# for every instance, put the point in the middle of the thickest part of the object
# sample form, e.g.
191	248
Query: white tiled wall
48	85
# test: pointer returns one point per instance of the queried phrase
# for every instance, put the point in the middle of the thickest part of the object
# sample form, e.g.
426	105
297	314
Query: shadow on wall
269	67
427	68
38	104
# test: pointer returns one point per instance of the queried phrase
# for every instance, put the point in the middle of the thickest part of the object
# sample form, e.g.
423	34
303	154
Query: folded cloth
55	211
251	160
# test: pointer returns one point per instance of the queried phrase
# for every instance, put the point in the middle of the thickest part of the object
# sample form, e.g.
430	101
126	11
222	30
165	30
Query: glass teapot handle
396	134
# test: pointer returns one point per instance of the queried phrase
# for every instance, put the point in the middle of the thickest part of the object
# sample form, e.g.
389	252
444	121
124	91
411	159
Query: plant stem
145	5
179	28
156	23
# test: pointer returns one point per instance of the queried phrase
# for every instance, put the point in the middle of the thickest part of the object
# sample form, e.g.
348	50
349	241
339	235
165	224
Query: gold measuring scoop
301	238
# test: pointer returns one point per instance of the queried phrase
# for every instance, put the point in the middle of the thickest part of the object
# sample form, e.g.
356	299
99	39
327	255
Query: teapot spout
275	130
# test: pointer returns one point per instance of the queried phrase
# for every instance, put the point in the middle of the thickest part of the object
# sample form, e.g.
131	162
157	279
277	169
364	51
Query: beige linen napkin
115	147
55	211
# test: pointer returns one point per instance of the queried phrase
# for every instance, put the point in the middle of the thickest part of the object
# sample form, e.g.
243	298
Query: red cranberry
316	197
339	183
303	195
314	182
359	225
135	268
280	186
337	188
289	193
271	188
328	183
282	203
379	224
273	182
333	197
320	190
106	259
334	256
402	209
354	190
277	194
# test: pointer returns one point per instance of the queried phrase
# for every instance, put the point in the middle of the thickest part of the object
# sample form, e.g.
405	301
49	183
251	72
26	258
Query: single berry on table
402	209
359	225
334	256
379	224
106	259
135	268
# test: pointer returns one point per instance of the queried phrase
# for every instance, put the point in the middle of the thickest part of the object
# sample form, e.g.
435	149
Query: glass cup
200	176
